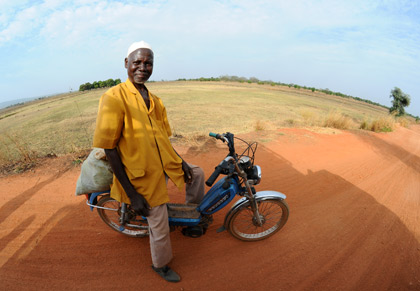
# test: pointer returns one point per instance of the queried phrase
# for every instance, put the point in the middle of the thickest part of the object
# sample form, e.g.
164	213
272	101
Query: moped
255	216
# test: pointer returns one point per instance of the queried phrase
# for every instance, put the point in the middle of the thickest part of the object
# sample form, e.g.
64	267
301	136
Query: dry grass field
64	123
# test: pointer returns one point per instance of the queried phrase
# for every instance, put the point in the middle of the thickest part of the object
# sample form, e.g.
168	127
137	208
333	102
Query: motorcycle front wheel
273	214
134	227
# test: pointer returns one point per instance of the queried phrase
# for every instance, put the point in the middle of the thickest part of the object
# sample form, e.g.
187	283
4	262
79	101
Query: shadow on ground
337	237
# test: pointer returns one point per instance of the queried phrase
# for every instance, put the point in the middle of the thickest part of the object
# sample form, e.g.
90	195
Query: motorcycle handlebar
214	176
217	136
228	138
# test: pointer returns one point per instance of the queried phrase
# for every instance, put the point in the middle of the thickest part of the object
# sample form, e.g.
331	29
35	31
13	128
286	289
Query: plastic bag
96	173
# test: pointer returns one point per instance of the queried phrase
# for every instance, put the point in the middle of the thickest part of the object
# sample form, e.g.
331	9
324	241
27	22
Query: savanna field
64	123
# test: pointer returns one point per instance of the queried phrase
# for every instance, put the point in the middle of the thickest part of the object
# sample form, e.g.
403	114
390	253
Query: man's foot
167	273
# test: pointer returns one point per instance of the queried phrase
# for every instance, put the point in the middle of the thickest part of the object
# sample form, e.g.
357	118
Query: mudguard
93	198
259	196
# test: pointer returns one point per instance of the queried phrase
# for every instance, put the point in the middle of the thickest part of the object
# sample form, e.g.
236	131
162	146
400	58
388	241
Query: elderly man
133	128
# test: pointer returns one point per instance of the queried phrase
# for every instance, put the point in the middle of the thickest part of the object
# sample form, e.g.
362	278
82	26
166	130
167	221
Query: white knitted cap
138	45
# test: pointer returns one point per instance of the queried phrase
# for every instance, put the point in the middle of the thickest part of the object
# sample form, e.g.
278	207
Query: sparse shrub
77	161
290	122
404	121
259	125
338	120
309	117
384	124
364	125
18	144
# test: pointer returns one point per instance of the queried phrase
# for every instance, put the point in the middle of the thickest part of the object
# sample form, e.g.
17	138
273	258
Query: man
133	128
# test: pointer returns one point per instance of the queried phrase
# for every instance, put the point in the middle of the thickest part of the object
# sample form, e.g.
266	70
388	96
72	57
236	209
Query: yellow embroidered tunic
141	137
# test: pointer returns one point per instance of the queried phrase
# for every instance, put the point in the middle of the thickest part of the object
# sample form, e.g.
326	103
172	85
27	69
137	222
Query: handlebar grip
214	176
217	136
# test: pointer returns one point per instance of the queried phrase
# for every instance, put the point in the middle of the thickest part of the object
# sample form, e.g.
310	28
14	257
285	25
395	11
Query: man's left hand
187	172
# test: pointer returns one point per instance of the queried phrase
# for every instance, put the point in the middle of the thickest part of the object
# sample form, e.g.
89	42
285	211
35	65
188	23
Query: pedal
220	229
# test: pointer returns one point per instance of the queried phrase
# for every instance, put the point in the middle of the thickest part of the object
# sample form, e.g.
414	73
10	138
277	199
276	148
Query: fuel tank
219	195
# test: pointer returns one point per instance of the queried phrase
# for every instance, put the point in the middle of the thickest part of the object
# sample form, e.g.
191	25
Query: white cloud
25	21
266	39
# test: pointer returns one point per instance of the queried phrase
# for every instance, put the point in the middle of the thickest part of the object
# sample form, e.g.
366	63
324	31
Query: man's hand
140	205
187	172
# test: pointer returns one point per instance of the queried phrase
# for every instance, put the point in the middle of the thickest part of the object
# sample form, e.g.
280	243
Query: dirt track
354	224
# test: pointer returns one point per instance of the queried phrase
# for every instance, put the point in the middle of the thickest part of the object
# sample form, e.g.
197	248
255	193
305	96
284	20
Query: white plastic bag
95	175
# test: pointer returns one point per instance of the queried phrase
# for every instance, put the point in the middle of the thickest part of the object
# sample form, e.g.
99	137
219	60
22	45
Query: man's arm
186	168
138	203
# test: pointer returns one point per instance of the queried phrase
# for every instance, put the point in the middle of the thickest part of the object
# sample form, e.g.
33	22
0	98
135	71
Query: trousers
159	232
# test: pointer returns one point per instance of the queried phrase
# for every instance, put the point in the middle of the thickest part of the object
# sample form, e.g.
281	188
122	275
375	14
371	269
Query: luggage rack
92	199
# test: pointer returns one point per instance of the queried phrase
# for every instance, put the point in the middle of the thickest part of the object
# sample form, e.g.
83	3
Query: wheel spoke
135	227
273	213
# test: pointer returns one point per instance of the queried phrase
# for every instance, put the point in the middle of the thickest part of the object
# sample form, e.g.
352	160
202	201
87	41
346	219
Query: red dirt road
354	224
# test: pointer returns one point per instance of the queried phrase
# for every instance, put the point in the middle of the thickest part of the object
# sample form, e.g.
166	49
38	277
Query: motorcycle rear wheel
273	213
139	227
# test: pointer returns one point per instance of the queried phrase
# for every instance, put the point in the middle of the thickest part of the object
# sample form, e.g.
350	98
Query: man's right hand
140	205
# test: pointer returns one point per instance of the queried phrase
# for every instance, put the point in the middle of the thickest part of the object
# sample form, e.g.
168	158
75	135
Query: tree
400	101
109	83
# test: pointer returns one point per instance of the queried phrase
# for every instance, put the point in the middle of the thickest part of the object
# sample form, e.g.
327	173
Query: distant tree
400	100
99	84
109	83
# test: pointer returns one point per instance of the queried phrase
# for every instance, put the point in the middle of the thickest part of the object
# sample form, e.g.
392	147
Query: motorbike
255	216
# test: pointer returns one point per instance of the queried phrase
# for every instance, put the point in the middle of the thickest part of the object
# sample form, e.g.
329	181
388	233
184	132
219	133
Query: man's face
139	65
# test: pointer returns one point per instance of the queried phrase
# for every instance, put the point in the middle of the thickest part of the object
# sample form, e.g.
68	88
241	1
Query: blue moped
255	216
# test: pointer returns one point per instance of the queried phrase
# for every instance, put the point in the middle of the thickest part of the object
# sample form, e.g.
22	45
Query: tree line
99	84
260	82
400	99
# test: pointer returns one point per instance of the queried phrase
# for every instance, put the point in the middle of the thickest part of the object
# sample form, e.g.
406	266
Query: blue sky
360	48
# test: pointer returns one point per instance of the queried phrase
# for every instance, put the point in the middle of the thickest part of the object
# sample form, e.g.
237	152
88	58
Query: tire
274	213
112	218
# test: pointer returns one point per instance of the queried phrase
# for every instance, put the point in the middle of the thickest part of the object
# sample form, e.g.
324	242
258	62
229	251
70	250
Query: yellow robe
141	137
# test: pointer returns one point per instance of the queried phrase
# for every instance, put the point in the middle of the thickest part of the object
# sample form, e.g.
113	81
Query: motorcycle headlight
245	162
254	175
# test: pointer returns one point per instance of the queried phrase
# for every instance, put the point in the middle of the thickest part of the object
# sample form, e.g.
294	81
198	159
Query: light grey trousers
160	242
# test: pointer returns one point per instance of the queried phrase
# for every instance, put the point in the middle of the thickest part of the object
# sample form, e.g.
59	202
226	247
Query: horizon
358	49
29	99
